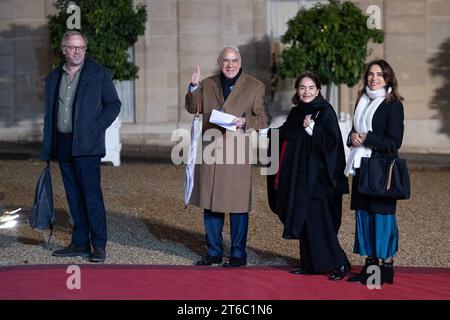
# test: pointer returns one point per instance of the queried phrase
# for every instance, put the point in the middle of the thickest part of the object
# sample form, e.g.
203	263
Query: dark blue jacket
95	106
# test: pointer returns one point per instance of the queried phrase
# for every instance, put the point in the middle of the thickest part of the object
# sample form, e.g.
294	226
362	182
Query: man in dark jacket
81	102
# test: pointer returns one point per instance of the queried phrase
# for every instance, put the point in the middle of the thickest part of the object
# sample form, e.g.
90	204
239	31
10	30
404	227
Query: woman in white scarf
362	123
377	129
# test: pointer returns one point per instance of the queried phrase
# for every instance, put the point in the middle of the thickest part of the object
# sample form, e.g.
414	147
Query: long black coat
385	139
95	106
311	167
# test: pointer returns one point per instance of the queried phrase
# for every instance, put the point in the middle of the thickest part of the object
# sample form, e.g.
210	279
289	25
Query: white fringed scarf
362	122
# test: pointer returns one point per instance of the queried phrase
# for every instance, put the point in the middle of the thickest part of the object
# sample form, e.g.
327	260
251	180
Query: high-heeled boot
387	272
362	276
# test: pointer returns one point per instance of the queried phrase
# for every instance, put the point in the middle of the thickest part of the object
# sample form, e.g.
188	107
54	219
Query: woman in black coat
377	132
306	192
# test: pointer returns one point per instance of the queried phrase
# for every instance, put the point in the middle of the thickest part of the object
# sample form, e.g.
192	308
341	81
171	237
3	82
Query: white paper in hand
223	119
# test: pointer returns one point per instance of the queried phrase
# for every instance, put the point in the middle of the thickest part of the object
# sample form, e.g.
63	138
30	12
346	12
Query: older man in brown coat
223	182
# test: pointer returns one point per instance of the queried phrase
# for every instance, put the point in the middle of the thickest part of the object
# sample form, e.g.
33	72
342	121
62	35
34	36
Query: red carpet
198	283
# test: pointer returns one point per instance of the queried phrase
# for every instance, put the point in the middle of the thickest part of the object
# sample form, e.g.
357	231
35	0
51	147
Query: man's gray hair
226	48
71	33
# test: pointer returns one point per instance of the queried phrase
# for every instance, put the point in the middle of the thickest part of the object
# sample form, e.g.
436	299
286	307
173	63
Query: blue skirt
376	235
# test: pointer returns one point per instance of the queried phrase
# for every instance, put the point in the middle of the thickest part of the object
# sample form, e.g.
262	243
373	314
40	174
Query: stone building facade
183	33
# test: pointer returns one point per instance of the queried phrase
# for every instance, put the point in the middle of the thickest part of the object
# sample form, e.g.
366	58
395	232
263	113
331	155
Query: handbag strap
389	180
396	154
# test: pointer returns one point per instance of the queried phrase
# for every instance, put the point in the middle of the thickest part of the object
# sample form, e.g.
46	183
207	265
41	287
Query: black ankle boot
362	276
387	272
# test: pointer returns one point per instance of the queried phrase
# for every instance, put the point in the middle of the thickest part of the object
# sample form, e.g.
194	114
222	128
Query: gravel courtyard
147	222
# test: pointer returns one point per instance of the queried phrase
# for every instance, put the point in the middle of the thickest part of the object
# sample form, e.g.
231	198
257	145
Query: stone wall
180	35
183	33
24	62
417	45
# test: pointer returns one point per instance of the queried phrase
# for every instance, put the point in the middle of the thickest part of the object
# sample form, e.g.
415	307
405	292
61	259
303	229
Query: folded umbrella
190	164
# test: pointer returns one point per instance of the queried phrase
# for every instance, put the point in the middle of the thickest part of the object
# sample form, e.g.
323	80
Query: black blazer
96	105
385	139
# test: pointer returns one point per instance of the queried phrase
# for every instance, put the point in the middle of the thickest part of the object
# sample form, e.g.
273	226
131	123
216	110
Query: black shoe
359	277
98	255
339	273
301	270
363	275
387	272
209	260
72	250
235	262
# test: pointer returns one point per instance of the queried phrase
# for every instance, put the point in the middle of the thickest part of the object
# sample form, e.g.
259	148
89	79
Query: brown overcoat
221	186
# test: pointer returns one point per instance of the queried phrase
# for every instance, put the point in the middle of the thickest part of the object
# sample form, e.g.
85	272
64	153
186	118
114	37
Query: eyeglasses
74	48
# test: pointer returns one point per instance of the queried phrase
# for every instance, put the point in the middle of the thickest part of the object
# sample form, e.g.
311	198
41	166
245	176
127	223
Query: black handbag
42	214
387	178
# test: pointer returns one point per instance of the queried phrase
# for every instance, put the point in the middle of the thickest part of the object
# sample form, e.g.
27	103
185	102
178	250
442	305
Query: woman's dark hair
306	74
388	76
